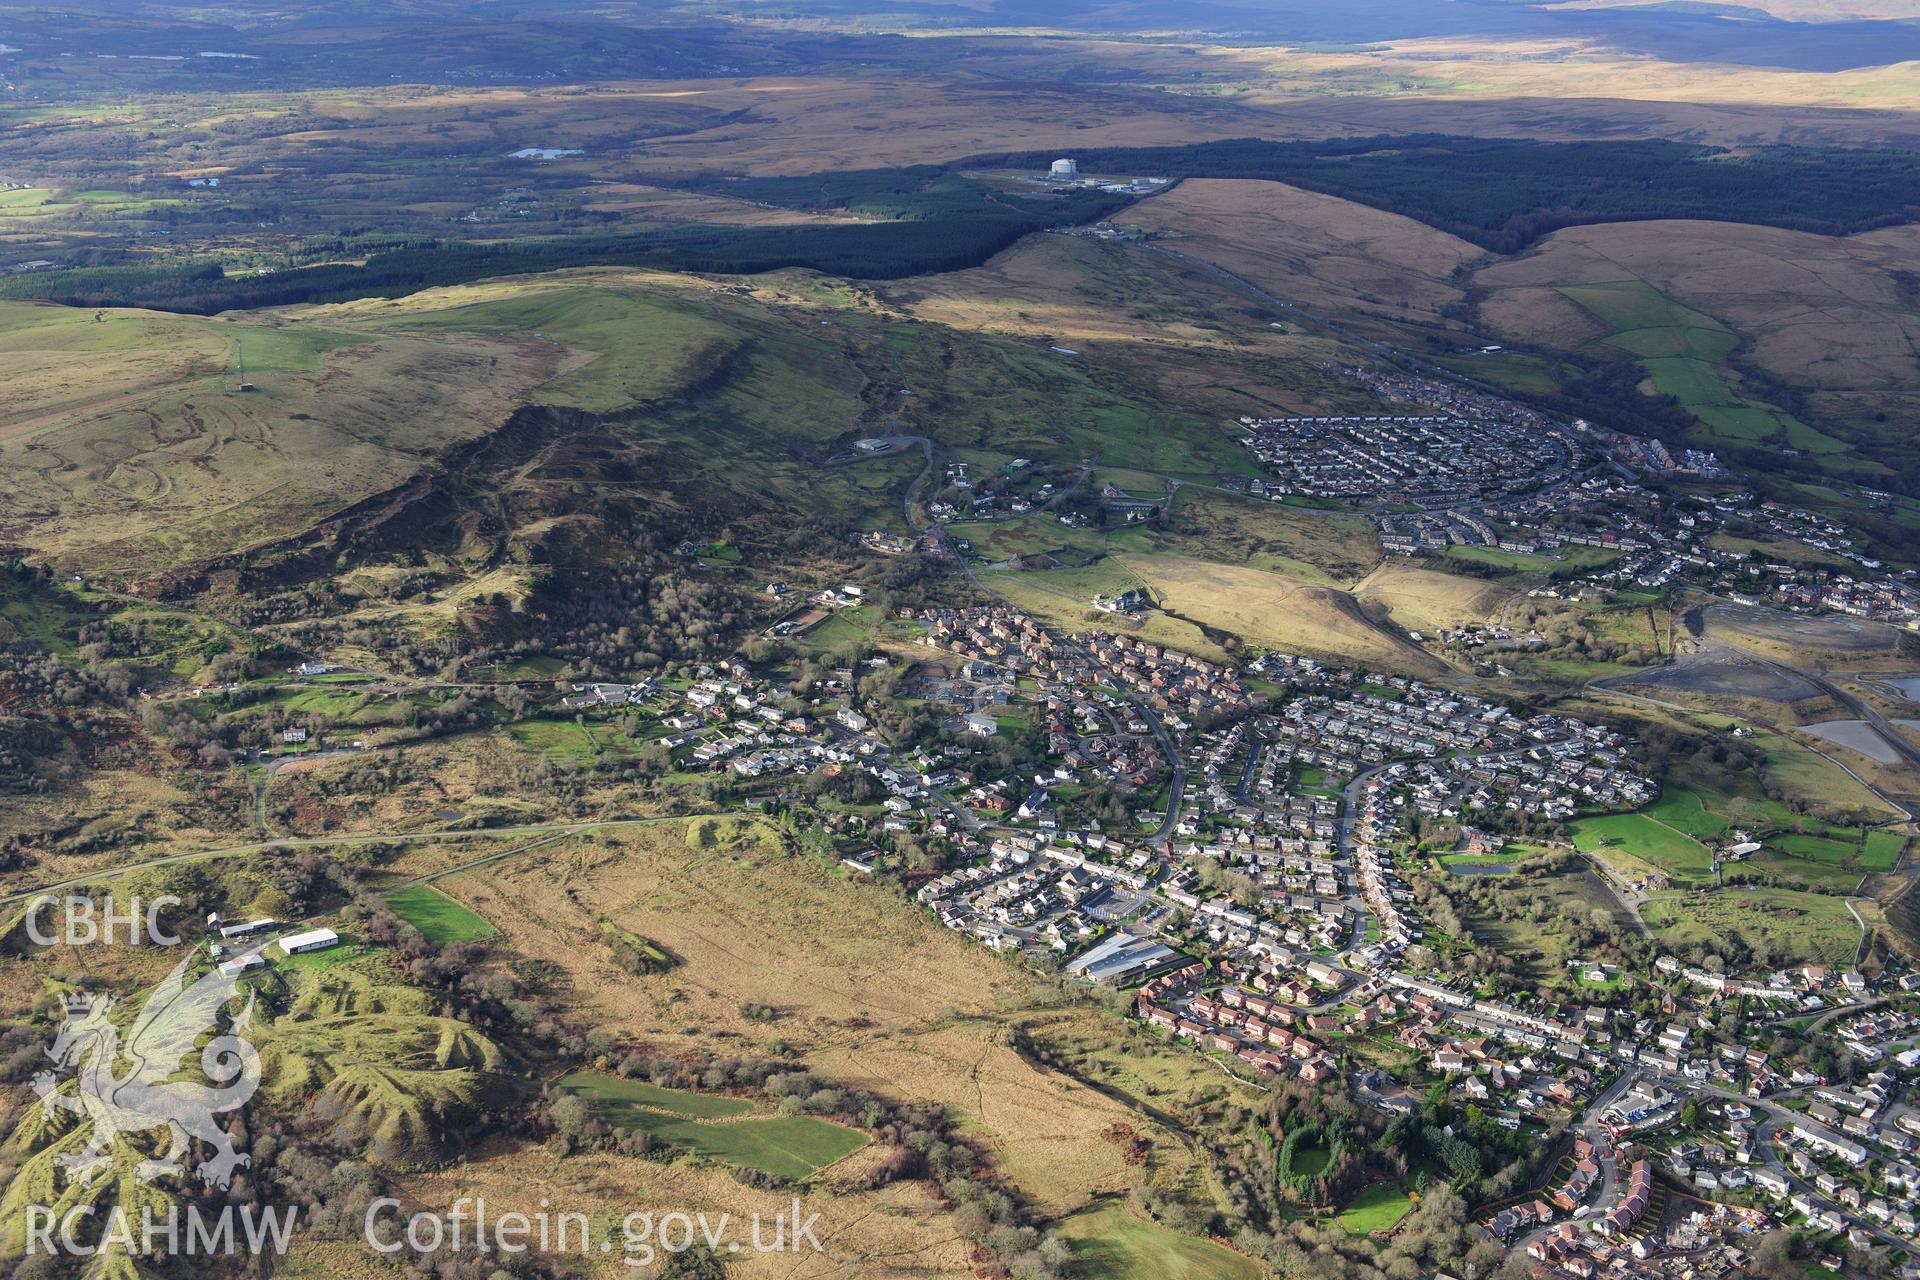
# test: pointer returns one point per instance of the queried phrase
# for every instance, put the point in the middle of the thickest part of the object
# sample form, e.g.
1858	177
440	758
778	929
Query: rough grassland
1829	314
628	348
1208	525
137	454
1063	597
1372	270
864	986
1178	334
1277	611
1796	927
1422	600
896	1233
1821	307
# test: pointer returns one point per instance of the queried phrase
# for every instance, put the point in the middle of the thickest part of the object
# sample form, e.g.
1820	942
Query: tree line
952	232
1505	193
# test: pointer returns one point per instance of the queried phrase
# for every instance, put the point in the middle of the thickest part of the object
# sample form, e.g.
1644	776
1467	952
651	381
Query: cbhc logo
85	922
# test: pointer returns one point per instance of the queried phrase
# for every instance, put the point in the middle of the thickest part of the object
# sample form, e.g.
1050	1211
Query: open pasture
1827	314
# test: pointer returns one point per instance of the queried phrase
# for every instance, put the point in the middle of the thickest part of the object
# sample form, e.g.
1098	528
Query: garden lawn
1378	1208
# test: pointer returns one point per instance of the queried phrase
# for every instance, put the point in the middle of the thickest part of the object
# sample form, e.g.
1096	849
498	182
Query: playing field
437	916
732	1130
1113	1241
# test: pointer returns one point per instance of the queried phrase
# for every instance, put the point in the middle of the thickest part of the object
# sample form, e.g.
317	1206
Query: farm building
236	965
312	940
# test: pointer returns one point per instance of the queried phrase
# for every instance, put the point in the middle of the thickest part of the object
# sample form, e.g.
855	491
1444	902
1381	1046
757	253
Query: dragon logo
147	1096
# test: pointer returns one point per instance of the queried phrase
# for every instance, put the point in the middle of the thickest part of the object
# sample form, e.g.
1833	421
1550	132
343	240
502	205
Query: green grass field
843	627
1312	1160
1314	782
1112	1243
564	741
1881	850
1684	354
1377	1208
1645	838
1669	833
1790	870
1650	322
334	704
1685	809
681	1102
1817	848
794	1147
42	614
437	916
1024	536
